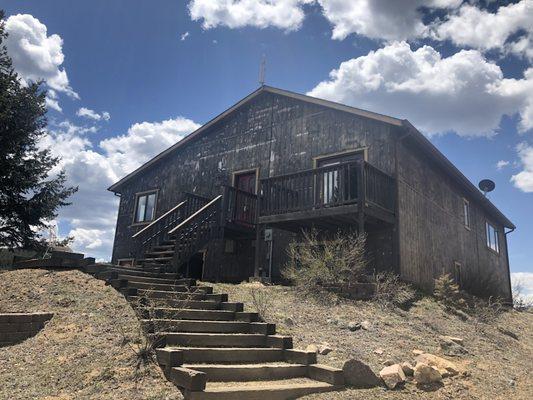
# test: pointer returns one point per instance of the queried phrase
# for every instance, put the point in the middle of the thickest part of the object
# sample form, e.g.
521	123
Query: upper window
145	207
466	213
493	241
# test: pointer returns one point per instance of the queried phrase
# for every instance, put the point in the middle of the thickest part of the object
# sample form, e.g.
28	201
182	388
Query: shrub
261	301
447	291
317	264
520	301
392	291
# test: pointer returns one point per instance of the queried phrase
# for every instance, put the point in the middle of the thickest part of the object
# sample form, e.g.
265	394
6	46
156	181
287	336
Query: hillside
497	366
87	350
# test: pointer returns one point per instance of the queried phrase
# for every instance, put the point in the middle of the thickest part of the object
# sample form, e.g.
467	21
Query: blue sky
129	78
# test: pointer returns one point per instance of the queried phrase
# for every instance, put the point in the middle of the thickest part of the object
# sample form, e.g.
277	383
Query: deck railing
239	207
329	186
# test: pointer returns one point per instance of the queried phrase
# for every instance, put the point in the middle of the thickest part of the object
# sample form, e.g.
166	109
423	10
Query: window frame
146	194
467	214
488	241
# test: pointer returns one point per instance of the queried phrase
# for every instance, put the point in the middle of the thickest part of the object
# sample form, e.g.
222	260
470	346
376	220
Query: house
224	202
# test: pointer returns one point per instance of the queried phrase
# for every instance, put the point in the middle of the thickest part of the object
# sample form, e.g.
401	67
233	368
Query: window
492	238
145	207
466	213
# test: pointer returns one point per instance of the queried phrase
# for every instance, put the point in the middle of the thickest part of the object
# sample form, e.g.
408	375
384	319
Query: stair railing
196	231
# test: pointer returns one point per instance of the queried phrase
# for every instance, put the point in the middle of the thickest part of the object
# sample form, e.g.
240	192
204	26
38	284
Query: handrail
192	216
239	206
160	218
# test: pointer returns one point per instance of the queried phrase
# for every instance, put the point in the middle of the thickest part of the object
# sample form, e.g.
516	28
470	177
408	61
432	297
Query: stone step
262	390
169	287
159	294
215	339
169	325
181	304
147	279
230	355
190	314
250	372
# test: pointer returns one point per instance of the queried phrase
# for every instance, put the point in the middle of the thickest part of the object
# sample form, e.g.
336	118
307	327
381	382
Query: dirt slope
498	366
84	352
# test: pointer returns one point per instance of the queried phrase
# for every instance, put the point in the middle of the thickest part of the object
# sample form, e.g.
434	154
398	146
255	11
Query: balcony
341	194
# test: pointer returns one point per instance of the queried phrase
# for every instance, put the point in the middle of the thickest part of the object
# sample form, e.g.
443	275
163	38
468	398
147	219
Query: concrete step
161	294
262	390
169	325
169	287
181	304
190	314
230	355
250	372
215	339
147	279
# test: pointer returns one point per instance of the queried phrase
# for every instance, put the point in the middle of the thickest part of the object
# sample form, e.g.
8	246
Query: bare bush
316	263
261	301
392	291
520	301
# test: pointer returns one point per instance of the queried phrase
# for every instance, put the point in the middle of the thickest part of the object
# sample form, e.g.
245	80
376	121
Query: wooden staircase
210	348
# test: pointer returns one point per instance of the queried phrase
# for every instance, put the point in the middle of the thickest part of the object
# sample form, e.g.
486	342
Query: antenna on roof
486	185
262	70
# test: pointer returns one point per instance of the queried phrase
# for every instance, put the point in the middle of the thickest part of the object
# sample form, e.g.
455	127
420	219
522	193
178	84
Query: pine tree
30	194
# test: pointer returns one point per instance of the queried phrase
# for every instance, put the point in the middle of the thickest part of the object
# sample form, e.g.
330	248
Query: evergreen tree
29	193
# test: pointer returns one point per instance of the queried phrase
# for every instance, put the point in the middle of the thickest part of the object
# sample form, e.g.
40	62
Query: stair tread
265	385
244	365
215	334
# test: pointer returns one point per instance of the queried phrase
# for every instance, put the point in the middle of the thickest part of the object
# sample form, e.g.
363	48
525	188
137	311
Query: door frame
234	175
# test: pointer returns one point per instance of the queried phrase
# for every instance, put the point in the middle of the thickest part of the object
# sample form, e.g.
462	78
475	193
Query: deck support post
257	261
361	197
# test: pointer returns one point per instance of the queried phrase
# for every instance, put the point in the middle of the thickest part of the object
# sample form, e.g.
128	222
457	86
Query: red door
245	182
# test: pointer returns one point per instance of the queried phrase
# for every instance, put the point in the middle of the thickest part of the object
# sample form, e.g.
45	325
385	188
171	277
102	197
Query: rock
289	321
359	375
388	362
452	346
417	352
366	325
426	374
507	332
407	368
378	351
354	326
445	367
312	348
324	349
392	375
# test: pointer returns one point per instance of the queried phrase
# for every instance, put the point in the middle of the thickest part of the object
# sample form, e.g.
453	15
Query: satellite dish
486	185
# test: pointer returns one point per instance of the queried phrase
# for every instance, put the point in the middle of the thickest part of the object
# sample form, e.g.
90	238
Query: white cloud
524	179
283	14
184	36
36	55
464	93
525	281
91	114
380	19
94	167
52	101
474	27
502	164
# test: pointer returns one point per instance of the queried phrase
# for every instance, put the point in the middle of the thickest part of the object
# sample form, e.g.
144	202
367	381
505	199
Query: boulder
417	352
354	326
359	375
378	351
366	325
392	376
425	374
452	346
407	368
445	367
324	349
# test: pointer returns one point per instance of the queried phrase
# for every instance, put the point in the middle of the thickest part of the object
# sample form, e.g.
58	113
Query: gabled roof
262	89
412	131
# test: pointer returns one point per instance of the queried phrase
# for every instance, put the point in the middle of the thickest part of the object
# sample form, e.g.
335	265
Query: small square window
145	207
493	240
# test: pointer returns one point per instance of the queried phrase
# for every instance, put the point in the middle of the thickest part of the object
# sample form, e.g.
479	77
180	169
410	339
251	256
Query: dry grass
85	352
499	367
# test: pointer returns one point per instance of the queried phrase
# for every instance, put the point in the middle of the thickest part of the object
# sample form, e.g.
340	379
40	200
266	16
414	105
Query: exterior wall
274	133
432	232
